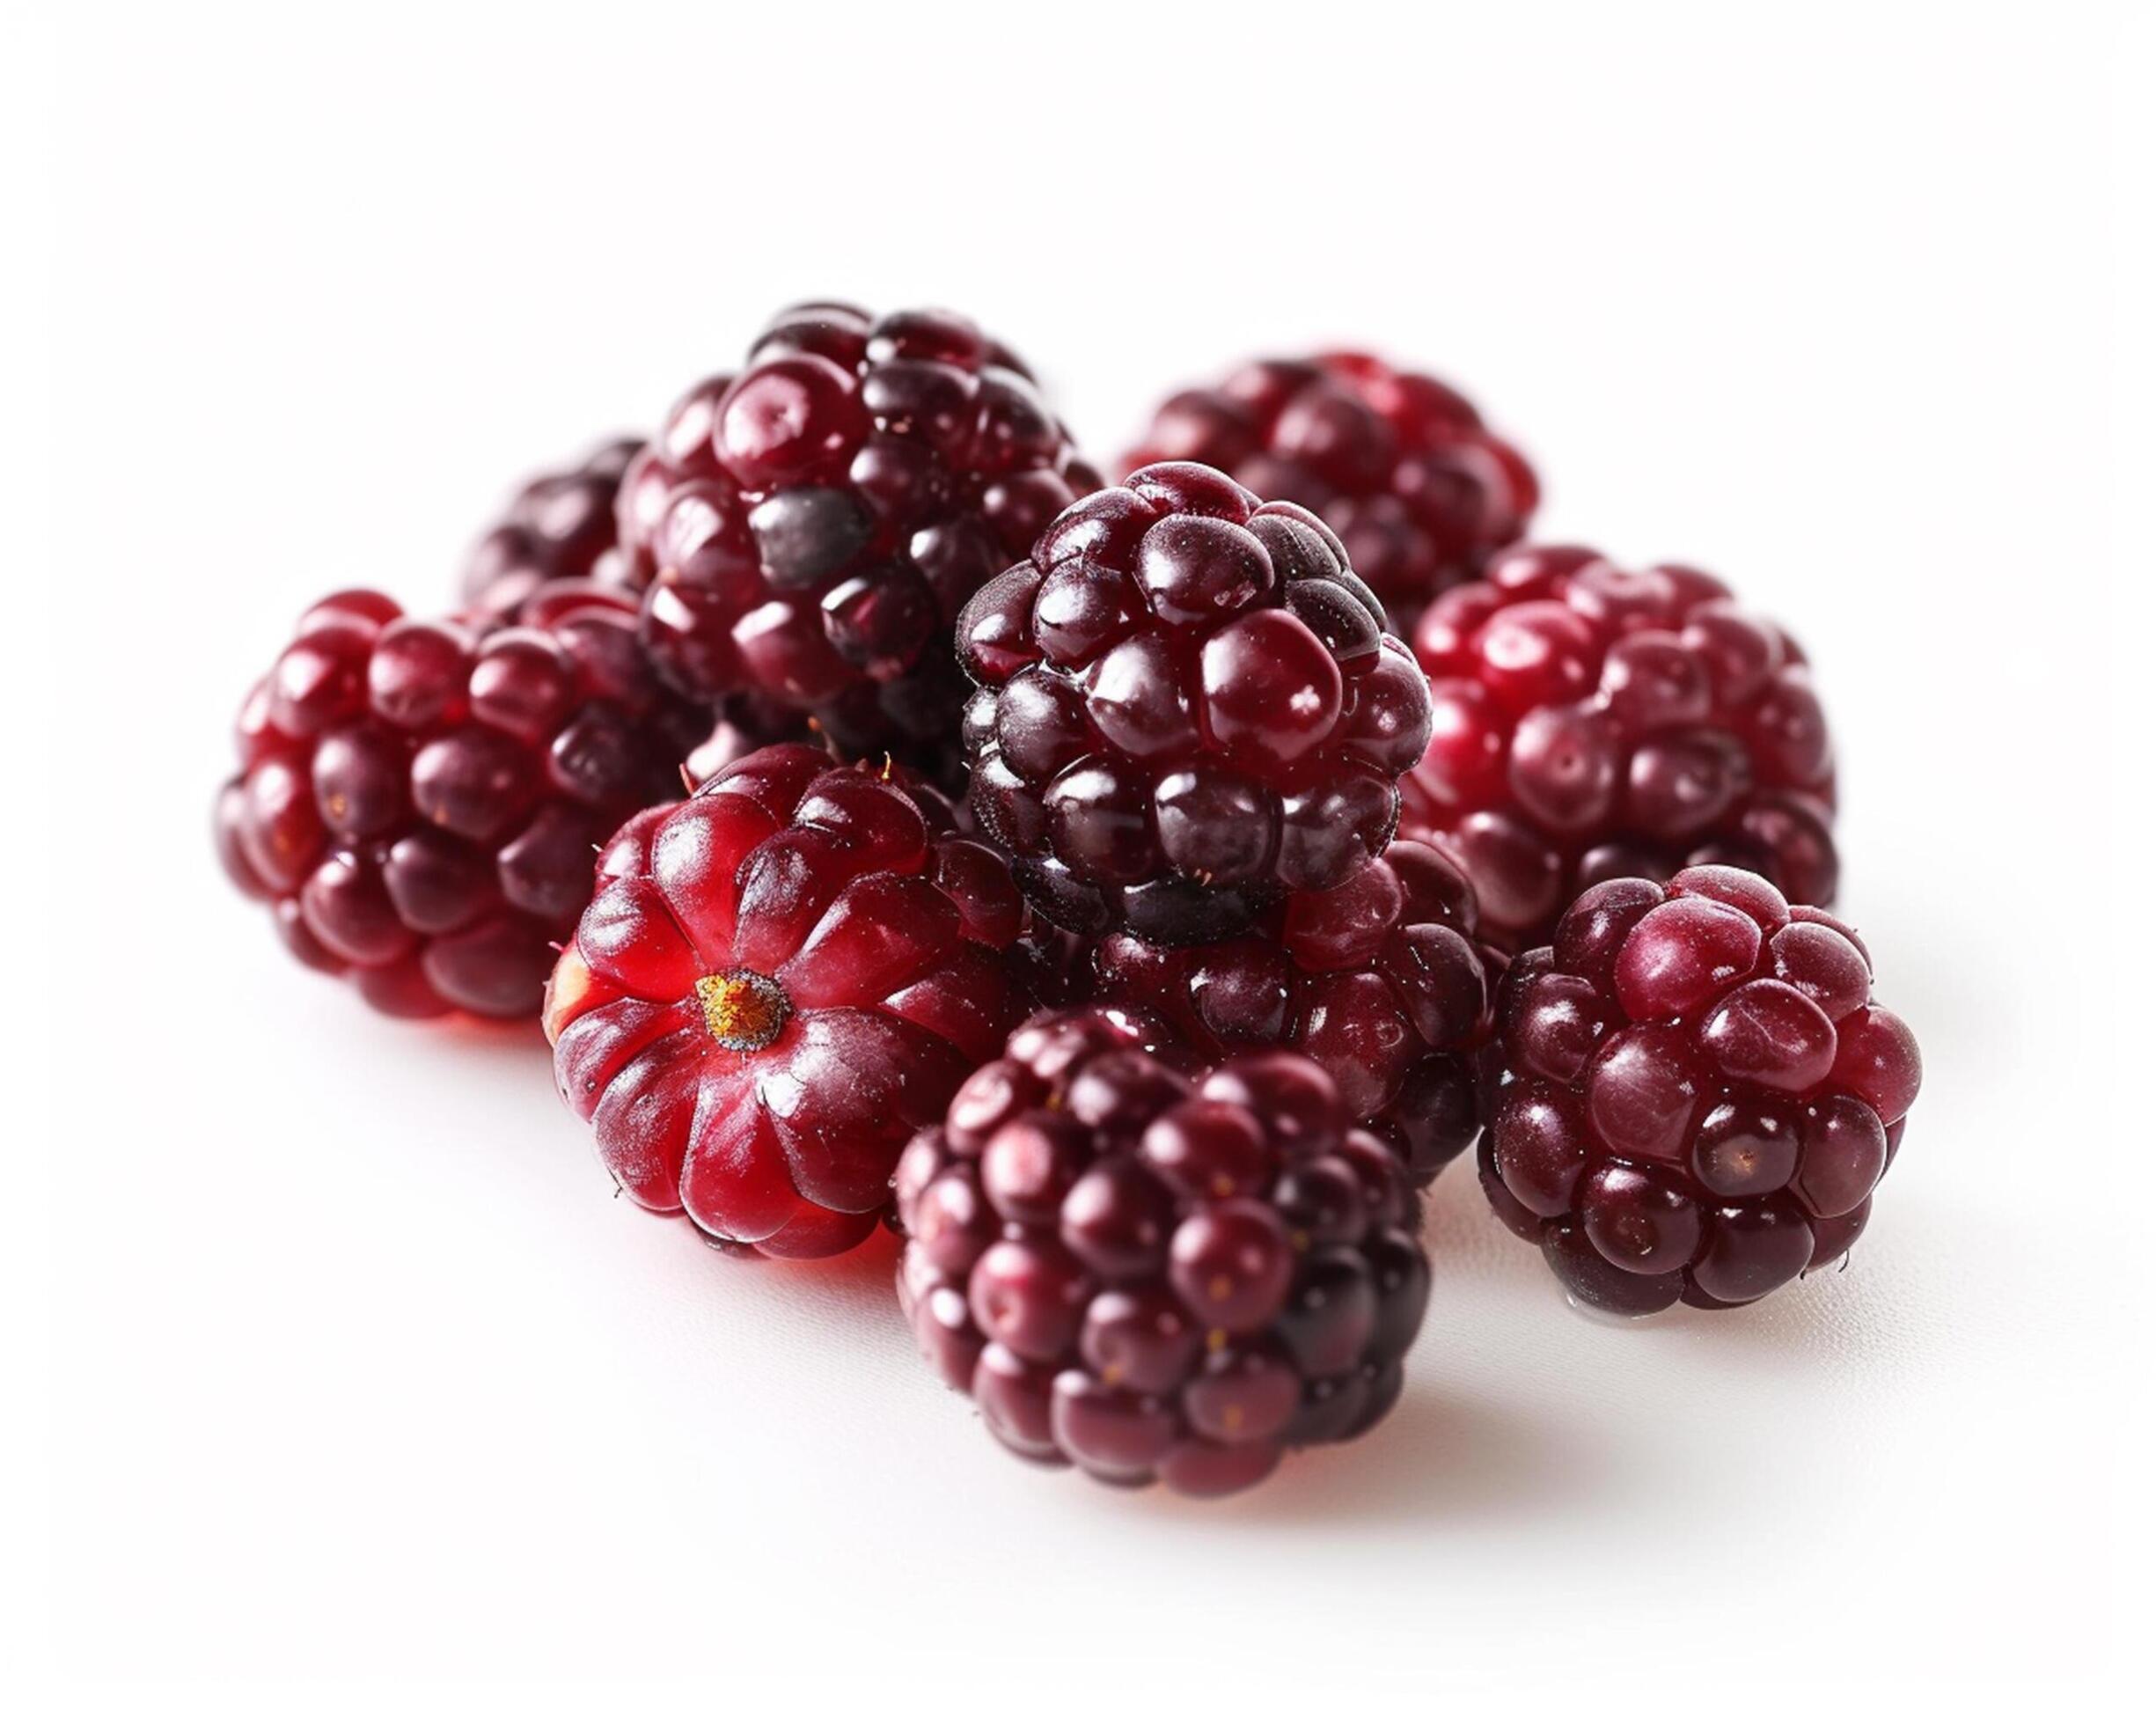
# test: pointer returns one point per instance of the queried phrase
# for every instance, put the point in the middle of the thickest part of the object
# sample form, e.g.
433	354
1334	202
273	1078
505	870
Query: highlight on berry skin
1154	1269
1697	1096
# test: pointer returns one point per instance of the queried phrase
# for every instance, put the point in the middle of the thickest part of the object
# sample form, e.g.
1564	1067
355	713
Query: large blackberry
775	983
1382	981
560	526
1188	707
807	529
420	800
1592	721
1154	1272
1399	465
1698	1095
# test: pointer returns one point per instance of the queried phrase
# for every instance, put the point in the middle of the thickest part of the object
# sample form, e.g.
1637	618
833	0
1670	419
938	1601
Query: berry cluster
806	530
1399	465
1593	721
1188	707
1698	1094
1156	1273
419	801
1082	881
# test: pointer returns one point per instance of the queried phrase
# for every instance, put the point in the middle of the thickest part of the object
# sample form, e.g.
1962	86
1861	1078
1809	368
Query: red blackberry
1593	722
1188	707
1697	1096
1399	465
777	981
808	529
420	800
559	527
1381	981
1159	1274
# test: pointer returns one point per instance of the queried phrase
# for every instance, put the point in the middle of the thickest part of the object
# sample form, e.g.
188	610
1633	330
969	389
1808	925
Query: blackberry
1399	465
806	531
775	983
1187	708
1593	722
1153	1270
1382	981
1697	1094
559	527
419	802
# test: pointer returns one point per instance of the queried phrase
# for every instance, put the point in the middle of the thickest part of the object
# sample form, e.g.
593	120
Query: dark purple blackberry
559	527
421	802
1188	708
1382	981
1697	1094
1158	1272
806	531
1399	465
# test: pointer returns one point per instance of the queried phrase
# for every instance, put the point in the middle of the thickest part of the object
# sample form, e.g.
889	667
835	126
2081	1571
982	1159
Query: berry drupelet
420	800
1697	1094
1382	981
1188	708
1399	465
806	530
1153	1270
775	983
1593	722
559	527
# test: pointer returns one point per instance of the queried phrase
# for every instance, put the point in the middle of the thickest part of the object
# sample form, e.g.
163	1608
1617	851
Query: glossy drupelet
775	983
420	800
807	529
1153	1270
1400	465
1188	709
1383	981
1593	722
559	527
1698	1094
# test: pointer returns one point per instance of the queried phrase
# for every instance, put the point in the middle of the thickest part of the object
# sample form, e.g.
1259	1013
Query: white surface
355	1387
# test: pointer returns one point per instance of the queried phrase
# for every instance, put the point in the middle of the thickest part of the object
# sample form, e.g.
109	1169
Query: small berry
1398	464
420	800
805	531
1698	1095
1187	709
1592	722
777	981
1154	1269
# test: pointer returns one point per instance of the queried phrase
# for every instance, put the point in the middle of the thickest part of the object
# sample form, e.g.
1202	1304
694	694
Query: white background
347	1389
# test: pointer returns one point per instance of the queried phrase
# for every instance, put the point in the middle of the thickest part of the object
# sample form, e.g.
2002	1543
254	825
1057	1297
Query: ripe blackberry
1399	465
559	527
806	530
777	981
1593	722
1154	1272
1381	981
1697	1094
1188	708
420	800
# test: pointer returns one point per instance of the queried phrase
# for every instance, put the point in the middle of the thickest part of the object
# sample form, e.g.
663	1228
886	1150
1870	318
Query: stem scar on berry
743	1011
